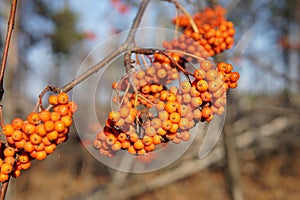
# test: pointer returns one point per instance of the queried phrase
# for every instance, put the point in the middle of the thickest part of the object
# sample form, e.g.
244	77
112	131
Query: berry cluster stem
186	13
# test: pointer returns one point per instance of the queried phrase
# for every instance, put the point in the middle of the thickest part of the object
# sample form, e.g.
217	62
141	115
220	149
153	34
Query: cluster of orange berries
214	35
152	110
37	136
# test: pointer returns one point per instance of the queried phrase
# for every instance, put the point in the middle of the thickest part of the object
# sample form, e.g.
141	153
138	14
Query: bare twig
186	13
10	28
123	48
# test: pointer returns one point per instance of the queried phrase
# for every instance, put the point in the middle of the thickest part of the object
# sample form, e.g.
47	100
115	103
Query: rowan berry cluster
155	106
35	137
214	33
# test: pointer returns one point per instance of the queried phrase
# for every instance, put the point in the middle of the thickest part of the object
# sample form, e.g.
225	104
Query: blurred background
257	156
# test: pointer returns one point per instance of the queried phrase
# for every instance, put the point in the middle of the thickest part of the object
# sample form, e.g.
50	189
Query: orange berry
45	115
150	147
174	117
184	124
6	168
161	131
186	98
196	101
206	112
157	139
125	144
229	68
17	135
131	150
161	73
202	85
206	96
16	173
174	128
9	160
213	86
141	152
49	126
114	116
183	110
206	65
185	86
155	123
61	139
171	97
194	92
33	118
35	138
67	120
233	85
8	129
220	102
222	66
53	135
55	116
3	177
50	148
116	146
218	93
63	110
62	98
176	140
111	139
41	155
199	74
28	128
234	76
17	123
138	144
28	147
124	112
163	95
23	158
122	137
150	131
59	126
53	100
197	114
170	107
147	140
25	166
10	140
163	115
211	75
160	105
186	136
72	106
20	144
97	144
9	151
166	124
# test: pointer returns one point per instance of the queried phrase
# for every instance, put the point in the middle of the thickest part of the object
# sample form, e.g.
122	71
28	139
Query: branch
123	48
10	28
11	23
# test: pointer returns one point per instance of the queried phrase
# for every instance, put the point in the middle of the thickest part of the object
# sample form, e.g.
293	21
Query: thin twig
11	23
10	28
123	48
186	13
